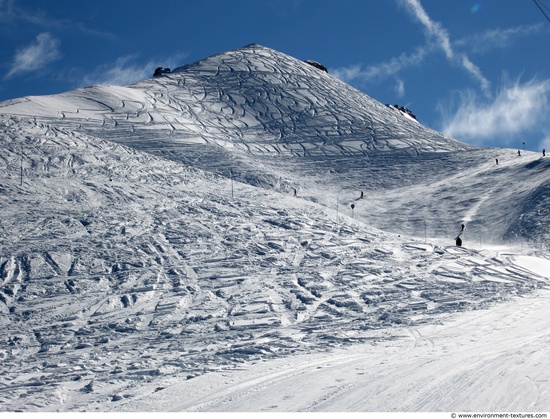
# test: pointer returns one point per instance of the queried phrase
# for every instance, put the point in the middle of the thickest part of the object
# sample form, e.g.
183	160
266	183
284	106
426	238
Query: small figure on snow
362	195
543	152
295	192
496	161
519	153
458	240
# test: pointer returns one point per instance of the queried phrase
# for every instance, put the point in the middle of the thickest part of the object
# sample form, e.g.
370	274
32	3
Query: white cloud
6	10
517	108
437	39
380	71
476	73
437	34
347	74
35	56
400	88
127	70
433	29
498	38
122	72
12	14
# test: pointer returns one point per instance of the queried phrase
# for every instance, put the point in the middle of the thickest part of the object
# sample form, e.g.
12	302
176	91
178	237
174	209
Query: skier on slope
457	238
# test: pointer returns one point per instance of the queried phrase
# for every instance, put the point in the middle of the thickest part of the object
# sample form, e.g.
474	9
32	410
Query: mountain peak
254	46
254	98
276	103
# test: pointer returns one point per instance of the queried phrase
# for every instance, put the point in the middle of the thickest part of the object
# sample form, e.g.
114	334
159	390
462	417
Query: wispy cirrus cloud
44	50
11	13
437	34
381	71
434	30
438	39
498	38
400	88
517	108
476	72
125	70
128	69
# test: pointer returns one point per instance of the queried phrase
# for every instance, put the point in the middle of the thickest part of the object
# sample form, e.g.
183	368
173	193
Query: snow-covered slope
254	99
255	107
150	234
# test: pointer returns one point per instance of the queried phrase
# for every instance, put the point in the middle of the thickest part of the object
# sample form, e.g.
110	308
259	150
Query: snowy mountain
254	107
151	235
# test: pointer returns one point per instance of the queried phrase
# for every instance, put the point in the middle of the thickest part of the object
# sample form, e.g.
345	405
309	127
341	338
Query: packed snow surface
247	233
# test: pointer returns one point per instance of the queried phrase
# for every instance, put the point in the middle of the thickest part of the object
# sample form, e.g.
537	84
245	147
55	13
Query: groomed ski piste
188	243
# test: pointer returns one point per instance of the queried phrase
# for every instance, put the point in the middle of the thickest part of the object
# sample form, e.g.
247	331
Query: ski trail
472	212
486	368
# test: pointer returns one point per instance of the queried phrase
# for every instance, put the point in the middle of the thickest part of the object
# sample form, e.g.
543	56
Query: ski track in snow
129	274
486	360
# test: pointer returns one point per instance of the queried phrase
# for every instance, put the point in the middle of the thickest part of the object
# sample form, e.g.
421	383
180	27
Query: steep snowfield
154	256
270	120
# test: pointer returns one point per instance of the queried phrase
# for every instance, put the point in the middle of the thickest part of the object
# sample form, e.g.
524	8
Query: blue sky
476	70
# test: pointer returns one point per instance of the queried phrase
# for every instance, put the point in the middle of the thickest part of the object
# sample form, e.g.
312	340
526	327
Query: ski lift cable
543	5
542	11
